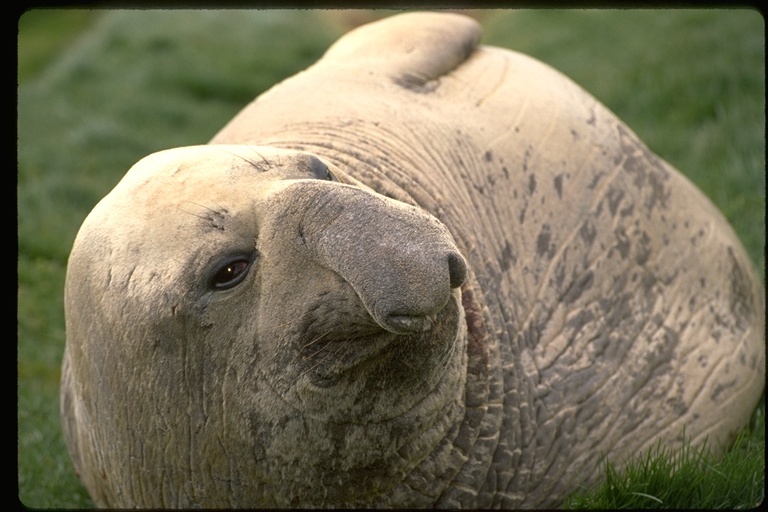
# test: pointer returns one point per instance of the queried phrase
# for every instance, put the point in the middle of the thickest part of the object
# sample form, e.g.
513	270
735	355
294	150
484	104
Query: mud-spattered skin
605	304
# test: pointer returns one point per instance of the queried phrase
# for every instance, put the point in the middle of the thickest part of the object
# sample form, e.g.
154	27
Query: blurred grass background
98	90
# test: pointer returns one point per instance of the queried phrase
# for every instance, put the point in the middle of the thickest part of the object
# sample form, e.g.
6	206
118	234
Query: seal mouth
421	342
409	324
354	370
335	358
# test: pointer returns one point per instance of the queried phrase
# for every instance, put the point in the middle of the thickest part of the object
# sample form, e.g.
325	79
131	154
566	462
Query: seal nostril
457	270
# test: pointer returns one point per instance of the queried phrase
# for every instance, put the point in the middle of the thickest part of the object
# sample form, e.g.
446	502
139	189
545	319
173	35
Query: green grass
43	35
689	478
99	90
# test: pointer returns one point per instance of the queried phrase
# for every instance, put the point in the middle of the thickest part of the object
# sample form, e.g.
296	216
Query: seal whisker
263	158
199	216
262	166
300	352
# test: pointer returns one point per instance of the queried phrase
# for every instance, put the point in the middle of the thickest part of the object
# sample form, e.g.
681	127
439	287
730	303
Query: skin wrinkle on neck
345	148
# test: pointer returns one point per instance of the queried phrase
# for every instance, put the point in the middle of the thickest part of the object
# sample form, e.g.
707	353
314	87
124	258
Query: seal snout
411	317
401	261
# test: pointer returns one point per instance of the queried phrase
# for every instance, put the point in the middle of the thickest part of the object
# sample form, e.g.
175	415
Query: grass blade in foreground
689	479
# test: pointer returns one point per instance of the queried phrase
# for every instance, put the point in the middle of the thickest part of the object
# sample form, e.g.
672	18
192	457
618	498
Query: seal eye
320	170
230	273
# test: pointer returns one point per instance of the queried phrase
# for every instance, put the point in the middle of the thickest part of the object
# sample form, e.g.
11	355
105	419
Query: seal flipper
411	48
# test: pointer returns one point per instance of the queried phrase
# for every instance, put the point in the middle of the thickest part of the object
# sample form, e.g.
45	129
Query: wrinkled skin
422	272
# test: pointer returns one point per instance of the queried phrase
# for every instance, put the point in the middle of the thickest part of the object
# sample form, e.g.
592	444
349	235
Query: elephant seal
423	272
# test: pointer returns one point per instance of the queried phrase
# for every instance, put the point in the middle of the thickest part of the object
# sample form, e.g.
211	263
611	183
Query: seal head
283	310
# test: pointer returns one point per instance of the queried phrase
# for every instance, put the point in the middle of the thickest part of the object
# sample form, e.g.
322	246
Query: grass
690	478
99	90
